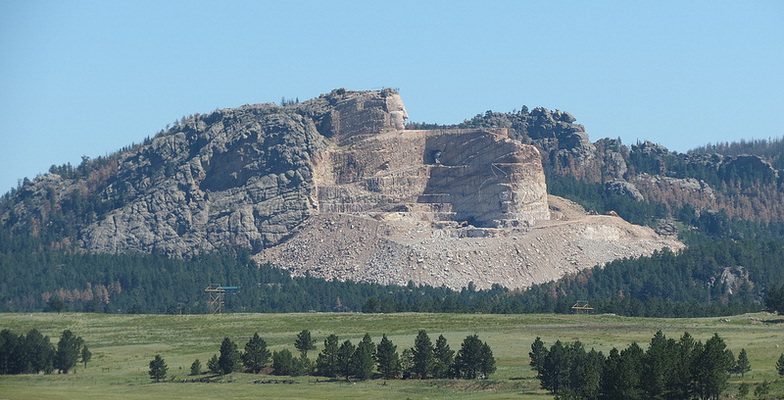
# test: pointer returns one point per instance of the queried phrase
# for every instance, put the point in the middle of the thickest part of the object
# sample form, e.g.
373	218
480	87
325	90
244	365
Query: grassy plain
123	345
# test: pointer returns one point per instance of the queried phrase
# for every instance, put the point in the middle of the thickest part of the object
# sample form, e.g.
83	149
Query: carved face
397	112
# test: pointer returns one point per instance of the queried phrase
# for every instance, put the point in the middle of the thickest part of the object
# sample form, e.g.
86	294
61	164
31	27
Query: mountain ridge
252	177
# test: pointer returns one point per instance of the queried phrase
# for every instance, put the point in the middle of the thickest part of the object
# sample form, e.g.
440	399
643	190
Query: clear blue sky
89	77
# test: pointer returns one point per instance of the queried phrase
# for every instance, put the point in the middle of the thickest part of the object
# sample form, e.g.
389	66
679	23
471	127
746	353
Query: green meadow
123	345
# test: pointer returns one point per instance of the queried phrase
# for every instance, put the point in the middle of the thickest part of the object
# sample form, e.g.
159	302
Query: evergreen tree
256	355
158	368
68	350
443	358
327	361
742	365
774	299
304	343
423	355
474	359
285	363
587	375
780	365
387	358
681	383
611	377
344	357
362	360
86	355
229	359
658	364
12	358
196	367
407	362
630	370
762	389
214	365
743	390
555	369
710	368
537	354
486	361
40	352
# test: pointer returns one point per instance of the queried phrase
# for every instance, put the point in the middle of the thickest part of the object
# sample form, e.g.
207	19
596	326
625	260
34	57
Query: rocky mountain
743	180
337	187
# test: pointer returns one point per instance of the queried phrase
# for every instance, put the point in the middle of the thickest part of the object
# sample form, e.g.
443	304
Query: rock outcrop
337	187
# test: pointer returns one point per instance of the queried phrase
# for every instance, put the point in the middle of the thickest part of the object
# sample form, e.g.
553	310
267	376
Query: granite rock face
336	187
248	177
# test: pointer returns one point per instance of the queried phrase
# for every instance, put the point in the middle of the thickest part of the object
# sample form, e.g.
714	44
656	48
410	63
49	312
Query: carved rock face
397	112
478	176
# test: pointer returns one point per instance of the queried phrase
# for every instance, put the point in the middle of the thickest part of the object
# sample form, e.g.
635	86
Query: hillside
743	180
384	204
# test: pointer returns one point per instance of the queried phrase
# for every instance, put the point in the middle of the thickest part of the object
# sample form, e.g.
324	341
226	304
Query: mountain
337	187
743	180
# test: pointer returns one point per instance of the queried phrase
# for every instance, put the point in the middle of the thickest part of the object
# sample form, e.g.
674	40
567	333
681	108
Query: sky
86	78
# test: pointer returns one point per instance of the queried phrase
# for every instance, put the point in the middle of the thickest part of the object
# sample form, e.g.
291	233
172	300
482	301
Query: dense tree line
716	275
346	360
774	299
708	279
772	149
668	369
33	353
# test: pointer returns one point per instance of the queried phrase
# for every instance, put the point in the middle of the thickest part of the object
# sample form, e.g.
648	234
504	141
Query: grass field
123	345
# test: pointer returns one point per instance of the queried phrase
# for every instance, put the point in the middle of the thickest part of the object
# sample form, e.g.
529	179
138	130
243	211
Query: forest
668	369
714	276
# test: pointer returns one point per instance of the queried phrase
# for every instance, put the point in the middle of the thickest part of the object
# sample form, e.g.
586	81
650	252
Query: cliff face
246	177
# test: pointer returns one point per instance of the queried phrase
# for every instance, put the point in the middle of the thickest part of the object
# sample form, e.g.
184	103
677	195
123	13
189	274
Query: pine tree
285	363
344	356
407	362
213	365
68	350
423	355
256	355
774	299
710	368
486	361
304	343
537	354
742	365
630	369
780	365
387	358
658	364
158	368
86	356
11	355
40	352
474	359
196	367
229	359
362	359
444	358
326	362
